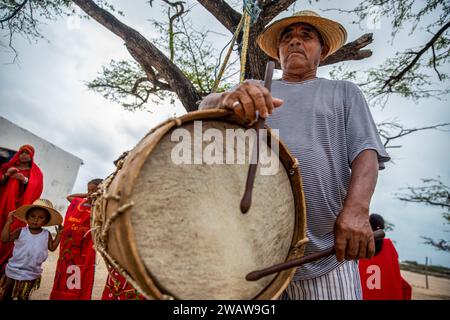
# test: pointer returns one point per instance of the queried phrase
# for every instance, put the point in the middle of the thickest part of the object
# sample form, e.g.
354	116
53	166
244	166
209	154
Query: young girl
76	249
31	244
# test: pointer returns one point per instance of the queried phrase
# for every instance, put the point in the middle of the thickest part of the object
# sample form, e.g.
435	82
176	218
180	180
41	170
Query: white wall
60	168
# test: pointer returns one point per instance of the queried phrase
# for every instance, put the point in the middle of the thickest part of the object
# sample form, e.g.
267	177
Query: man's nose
295	41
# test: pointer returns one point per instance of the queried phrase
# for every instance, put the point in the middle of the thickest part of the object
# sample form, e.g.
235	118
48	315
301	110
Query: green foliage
125	82
25	17
193	53
410	73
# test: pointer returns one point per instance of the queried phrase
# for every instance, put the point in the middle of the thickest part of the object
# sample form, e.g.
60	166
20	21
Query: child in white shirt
31	244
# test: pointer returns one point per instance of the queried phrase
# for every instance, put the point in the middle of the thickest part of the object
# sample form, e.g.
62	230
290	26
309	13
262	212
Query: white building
59	167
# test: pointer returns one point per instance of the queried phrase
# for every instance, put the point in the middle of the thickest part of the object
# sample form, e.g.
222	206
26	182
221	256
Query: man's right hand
248	98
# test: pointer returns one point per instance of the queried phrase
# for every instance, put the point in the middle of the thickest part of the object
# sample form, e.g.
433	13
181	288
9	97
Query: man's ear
325	50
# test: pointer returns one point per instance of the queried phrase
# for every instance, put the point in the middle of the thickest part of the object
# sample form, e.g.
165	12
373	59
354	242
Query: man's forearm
352	231
363	180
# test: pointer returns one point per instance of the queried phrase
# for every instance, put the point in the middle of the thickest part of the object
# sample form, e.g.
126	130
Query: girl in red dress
74	276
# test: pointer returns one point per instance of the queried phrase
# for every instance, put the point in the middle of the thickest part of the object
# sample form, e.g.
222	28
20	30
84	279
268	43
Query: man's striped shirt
325	124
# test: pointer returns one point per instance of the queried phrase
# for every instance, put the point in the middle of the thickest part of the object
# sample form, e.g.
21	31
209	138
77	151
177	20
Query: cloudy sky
45	92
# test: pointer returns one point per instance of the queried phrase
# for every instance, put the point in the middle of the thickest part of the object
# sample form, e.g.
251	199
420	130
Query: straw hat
333	33
55	216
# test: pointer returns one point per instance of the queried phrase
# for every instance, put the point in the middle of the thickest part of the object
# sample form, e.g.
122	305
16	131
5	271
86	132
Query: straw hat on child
55	217
333	33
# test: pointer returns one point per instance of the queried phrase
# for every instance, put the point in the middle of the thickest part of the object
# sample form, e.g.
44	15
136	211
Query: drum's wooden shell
116	239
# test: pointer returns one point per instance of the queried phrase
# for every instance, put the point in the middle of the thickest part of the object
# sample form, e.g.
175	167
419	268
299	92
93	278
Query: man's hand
353	234
248	98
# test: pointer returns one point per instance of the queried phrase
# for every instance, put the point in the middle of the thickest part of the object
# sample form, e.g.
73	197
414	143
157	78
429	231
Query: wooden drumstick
246	200
258	274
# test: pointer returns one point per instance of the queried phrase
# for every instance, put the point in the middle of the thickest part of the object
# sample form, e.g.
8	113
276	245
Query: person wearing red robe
380	276
21	183
74	275
118	288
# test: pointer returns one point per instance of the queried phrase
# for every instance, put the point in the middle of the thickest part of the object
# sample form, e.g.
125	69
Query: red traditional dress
14	194
381	278
118	288
74	276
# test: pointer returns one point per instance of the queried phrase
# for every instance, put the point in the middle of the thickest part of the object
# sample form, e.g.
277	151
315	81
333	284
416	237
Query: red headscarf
10	199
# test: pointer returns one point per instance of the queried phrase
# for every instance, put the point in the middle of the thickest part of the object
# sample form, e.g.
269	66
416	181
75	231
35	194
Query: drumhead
188	228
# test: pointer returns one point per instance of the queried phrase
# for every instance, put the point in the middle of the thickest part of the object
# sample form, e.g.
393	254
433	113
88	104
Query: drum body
175	230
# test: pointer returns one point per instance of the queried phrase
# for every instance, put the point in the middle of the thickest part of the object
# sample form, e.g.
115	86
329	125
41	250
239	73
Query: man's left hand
353	234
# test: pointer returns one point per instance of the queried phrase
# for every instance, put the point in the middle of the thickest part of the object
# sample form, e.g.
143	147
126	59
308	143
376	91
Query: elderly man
328	127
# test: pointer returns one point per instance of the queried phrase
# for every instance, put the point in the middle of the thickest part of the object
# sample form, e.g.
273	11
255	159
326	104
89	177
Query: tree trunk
149	57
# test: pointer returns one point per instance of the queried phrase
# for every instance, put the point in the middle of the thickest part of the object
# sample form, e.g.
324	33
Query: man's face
299	48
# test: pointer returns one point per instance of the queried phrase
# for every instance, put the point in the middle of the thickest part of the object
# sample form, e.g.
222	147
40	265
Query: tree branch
145	53
223	12
271	9
401	131
438	244
16	11
393	79
424	200
154	79
351	51
434	63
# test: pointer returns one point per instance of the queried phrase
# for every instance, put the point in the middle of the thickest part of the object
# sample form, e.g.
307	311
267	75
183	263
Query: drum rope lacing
102	237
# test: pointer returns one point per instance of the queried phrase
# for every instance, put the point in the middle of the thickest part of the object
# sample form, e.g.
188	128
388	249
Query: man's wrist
356	207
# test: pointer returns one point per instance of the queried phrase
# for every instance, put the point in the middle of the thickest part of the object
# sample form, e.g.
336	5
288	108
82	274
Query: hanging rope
244	47
227	57
249	16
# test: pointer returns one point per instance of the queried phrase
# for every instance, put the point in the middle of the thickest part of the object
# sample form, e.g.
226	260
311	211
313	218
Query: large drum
175	229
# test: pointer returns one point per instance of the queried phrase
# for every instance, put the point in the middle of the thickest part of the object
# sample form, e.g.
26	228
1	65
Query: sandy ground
439	288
